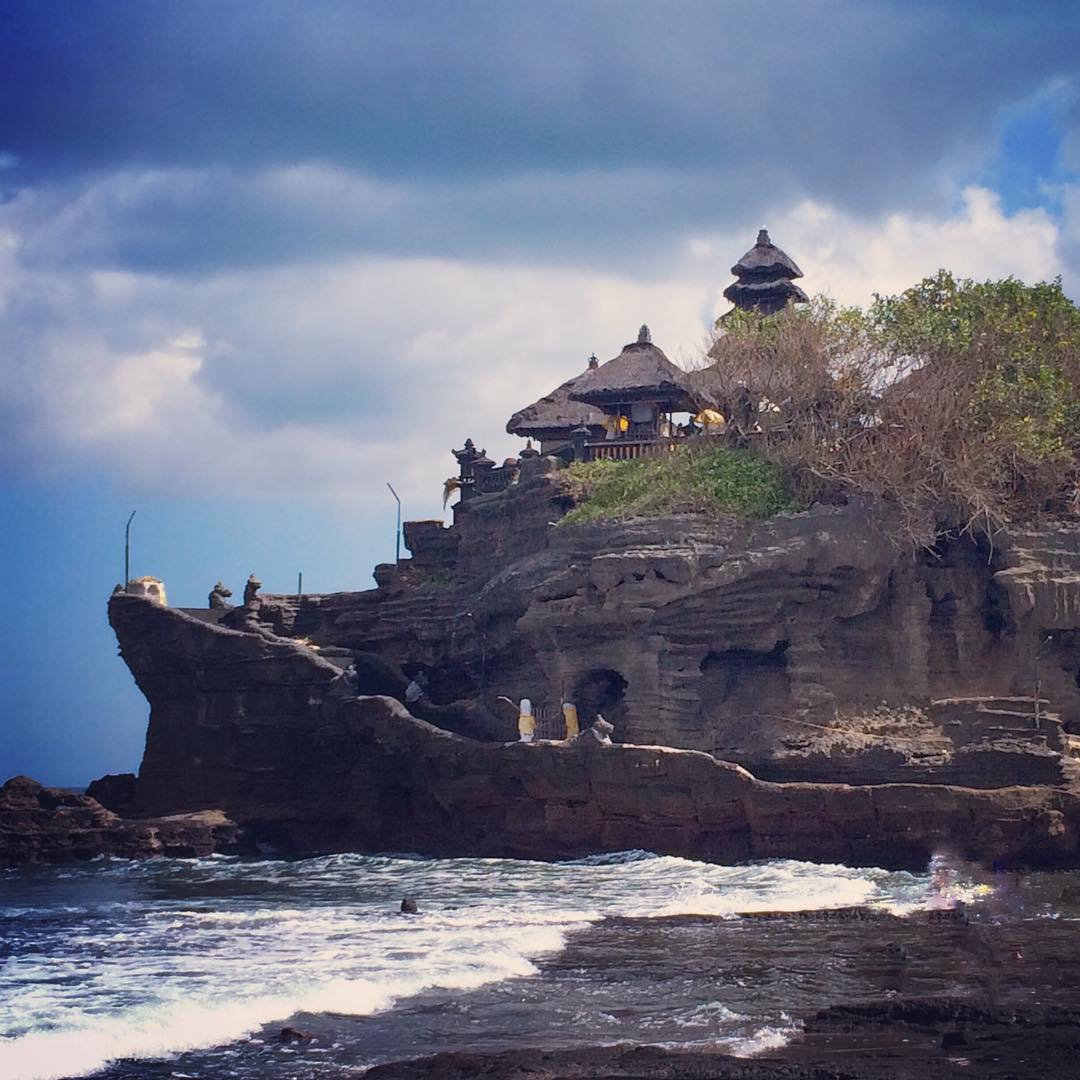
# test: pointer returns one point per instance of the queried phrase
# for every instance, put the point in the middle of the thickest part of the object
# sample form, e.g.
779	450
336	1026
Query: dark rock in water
313	769
592	1063
408	906
767	644
291	1034
115	792
897	1040
40	824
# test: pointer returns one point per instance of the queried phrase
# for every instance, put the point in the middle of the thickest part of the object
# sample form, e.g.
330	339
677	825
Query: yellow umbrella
710	418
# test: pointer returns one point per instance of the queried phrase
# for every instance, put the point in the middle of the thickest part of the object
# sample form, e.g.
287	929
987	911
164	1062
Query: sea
192	968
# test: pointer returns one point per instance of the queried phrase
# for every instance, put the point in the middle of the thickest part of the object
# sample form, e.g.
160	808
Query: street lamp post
127	551
397	533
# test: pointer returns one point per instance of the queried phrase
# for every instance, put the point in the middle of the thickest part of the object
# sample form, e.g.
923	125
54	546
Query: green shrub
692	479
955	400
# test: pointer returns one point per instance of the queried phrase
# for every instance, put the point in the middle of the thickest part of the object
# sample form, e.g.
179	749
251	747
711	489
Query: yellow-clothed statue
526	721
570	716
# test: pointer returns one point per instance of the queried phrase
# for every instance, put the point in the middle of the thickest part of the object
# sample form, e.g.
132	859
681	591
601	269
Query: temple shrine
638	392
639	403
765	279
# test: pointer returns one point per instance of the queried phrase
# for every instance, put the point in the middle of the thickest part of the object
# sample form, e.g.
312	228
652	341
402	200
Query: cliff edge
284	743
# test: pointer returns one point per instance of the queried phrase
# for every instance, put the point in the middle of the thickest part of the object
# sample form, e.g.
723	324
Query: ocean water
192	967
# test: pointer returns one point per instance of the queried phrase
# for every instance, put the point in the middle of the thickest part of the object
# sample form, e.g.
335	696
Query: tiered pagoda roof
765	276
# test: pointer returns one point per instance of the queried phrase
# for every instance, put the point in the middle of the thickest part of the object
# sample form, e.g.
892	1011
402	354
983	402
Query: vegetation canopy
709	479
957	401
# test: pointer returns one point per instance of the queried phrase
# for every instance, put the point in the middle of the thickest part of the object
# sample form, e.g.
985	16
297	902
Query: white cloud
1070	239
325	380
851	258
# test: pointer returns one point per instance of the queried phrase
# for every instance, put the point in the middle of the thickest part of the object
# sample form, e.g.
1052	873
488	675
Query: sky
258	260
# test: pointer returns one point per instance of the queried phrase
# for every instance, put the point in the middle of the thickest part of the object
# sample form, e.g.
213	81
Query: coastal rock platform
46	825
894	1040
949	996
284	743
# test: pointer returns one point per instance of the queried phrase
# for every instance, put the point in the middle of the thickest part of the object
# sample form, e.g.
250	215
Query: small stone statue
250	589
601	730
219	597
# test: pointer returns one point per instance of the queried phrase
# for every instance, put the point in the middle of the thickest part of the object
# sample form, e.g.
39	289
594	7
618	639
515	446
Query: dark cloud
444	92
192	222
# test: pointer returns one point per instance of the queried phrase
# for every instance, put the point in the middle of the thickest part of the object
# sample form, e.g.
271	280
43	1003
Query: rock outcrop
807	648
774	644
115	792
40	824
280	740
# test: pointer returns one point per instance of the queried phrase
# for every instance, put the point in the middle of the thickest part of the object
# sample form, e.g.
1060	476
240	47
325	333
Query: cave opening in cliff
745	681
447	683
602	690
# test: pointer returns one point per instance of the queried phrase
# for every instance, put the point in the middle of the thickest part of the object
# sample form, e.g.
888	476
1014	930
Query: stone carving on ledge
219	597
150	587
250	590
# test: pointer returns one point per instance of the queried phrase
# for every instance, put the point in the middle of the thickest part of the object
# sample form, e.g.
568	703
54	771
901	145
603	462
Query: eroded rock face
806	648
280	741
733	638
40	824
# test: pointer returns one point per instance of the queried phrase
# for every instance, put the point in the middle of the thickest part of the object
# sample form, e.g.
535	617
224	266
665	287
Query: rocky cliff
782	645
899	702
281	741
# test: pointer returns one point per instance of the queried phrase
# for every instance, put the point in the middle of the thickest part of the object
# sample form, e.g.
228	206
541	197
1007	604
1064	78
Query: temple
765	282
638	404
638	392
553	419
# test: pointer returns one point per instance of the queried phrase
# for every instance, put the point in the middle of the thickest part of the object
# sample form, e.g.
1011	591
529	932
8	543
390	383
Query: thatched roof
641	372
555	412
748	294
765	261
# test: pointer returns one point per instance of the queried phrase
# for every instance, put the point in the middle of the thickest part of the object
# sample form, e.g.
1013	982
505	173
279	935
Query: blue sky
256	260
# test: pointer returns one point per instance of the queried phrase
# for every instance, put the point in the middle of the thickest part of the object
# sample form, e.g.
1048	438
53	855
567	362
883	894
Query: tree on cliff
955	400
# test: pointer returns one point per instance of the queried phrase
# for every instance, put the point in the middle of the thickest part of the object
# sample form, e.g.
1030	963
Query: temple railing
629	449
488	482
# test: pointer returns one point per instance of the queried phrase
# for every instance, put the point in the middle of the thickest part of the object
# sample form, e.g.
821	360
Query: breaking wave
122	960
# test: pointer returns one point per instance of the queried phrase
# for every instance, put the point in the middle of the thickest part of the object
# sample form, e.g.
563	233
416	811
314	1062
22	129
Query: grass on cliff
707	480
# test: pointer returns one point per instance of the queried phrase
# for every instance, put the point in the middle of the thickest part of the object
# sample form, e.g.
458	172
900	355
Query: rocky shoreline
1002	1026
895	1040
50	825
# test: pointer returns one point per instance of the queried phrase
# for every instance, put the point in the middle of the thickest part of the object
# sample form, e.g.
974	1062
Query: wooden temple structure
765	279
626	408
553	419
638	393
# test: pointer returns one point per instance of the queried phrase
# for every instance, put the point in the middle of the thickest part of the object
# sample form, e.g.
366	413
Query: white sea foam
136	960
707	1014
86	1043
768	1037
